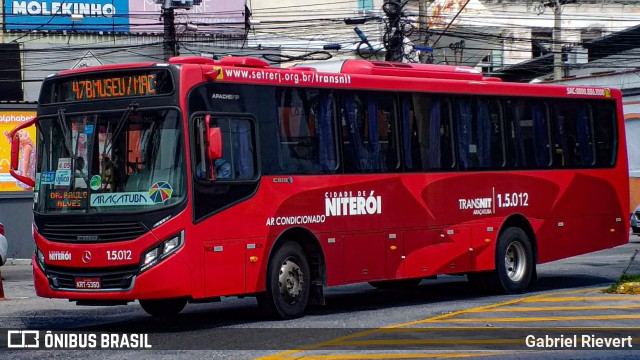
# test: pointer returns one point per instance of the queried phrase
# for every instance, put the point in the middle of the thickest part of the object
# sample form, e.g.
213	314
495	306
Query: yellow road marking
373	331
397	356
544	318
431	342
592	298
443	317
485	328
560	308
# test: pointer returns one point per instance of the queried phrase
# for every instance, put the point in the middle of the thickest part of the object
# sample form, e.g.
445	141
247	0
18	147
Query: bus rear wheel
288	283
515	265
164	307
514	260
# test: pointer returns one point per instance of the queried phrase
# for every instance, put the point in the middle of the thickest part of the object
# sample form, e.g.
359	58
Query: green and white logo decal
96	182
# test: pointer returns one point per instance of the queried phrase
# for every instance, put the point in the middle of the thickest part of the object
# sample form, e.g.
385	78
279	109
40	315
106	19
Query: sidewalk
20	296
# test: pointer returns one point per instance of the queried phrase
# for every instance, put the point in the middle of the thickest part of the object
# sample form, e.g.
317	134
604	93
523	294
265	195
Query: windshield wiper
62	122
119	126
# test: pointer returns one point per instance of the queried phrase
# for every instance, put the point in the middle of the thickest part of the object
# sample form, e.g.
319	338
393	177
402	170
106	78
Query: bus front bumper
169	279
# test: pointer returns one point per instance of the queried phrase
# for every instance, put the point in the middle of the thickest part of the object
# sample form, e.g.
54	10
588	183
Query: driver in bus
81	178
221	169
108	174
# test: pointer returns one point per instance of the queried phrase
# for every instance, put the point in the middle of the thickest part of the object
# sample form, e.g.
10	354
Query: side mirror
214	148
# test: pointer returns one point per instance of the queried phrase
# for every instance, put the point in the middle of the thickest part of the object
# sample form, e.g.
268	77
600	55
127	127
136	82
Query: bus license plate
88	283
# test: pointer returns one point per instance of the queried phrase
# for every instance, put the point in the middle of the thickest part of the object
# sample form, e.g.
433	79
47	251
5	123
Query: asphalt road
442	317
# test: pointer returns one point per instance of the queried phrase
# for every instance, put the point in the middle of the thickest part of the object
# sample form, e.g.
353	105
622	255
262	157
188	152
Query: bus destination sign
114	85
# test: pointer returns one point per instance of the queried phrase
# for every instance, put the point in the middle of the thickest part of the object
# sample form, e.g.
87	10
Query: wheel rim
515	261
290	280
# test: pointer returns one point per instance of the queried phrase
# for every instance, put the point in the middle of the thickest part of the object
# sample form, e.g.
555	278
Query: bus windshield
125	160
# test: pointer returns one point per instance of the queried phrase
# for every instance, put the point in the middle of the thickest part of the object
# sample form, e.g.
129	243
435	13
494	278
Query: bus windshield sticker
121	199
47	177
96	182
158	193
64	164
63	178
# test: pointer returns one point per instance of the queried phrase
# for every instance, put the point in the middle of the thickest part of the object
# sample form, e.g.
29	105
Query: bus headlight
171	244
161	251
40	258
150	258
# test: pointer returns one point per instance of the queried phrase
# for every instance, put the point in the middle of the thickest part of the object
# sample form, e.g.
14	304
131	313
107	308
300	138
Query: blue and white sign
63	178
55	15
121	199
47	177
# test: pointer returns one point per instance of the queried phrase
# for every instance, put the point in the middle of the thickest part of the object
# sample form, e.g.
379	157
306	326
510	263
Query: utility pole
423	6
557	39
169	43
393	37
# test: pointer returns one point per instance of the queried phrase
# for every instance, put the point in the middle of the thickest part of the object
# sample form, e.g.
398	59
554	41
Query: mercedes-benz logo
86	257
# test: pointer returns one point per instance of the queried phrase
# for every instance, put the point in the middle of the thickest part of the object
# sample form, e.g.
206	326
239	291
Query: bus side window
427	133
306	131
410	139
606	140
496	133
529	134
419	133
369	133
441	143
467	147
479	133
573	134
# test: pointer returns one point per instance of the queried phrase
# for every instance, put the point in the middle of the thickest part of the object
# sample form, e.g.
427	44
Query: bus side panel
224	268
560	238
437	251
483	243
583	219
332	247
394	249
417	251
256	259
364	255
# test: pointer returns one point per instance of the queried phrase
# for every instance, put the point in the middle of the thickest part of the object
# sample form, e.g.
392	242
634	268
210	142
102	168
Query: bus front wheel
288	282
164	307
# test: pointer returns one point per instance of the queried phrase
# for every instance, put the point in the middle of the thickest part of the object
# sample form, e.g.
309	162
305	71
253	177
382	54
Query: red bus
199	178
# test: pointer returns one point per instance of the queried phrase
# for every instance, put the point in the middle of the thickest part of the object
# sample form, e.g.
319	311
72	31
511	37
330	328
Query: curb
14	262
1	288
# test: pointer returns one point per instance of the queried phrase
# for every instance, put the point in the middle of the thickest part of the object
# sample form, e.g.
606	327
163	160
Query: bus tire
396	284
514	261
163	307
288	283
